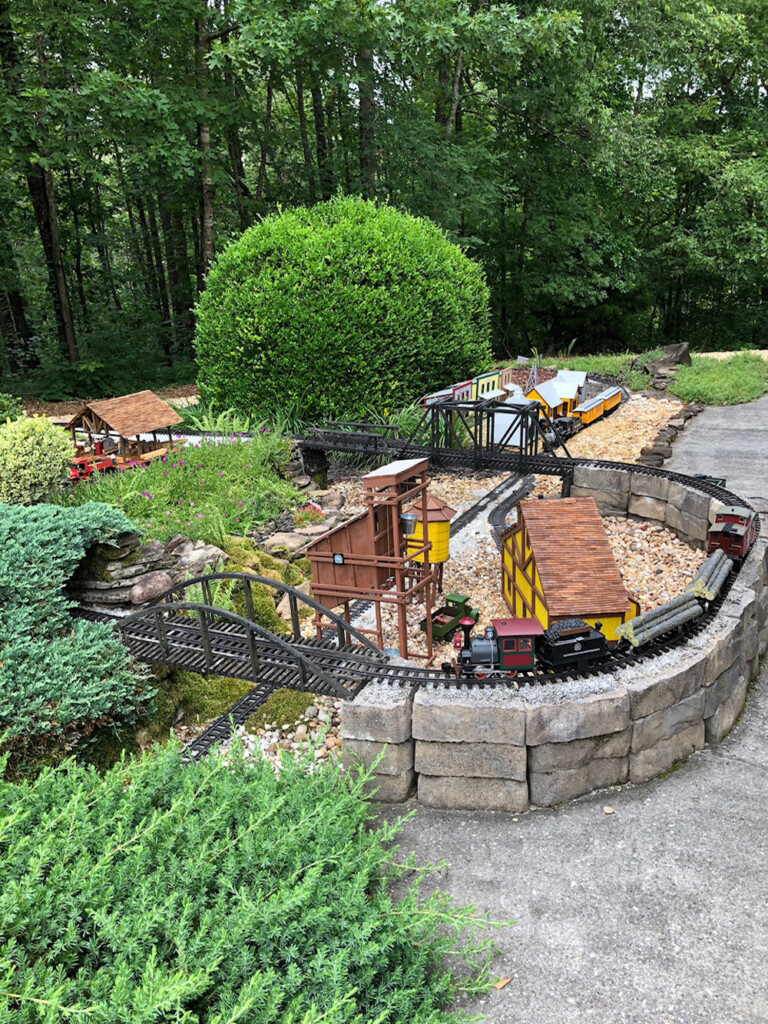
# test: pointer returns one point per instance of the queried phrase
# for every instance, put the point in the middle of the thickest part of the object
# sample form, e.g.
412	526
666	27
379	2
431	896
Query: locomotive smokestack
467	626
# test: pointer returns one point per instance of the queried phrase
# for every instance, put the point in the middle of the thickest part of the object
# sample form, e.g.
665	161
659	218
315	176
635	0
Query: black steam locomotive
509	646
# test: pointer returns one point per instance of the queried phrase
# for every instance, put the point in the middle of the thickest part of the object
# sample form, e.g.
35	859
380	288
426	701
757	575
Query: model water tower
439	516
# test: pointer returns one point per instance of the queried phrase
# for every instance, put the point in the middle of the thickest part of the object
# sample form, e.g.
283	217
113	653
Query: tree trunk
204	145
263	145
308	171
321	144
154	237
42	194
15	328
41	190
78	252
367	115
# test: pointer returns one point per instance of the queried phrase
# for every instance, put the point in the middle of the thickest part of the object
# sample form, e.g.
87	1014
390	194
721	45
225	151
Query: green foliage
740	378
209	420
10	407
625	368
191	698
283	707
34	459
58	676
218	892
204	491
339	307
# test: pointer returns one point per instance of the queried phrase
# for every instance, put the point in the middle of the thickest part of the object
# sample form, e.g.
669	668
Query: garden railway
201	637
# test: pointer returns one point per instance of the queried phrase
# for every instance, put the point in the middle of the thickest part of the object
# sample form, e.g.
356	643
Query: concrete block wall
503	750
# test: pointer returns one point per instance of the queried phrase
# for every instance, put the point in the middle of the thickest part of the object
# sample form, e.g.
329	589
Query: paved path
729	441
658	913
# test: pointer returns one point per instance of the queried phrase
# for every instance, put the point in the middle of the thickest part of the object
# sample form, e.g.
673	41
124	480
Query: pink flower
199	515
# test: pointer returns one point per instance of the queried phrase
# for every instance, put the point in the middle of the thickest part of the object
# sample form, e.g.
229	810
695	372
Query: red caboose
733	531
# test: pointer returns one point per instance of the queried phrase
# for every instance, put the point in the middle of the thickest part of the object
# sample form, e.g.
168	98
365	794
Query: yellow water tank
439	517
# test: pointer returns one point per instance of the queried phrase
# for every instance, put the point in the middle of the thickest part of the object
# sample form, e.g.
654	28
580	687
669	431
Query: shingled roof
140	413
576	566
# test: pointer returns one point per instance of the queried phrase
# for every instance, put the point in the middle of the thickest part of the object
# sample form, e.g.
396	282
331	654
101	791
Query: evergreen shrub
215	893
34	458
344	307
10	407
59	676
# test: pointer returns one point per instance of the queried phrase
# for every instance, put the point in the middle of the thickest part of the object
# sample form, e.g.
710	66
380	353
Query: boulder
292	542
284	606
193	556
674	355
149	587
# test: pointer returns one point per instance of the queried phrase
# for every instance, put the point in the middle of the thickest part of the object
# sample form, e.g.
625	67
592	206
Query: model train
562	398
509	646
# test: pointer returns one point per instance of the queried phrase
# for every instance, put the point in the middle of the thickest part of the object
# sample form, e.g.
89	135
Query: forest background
605	162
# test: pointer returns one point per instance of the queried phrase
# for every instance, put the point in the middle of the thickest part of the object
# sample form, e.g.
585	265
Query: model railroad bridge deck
458	435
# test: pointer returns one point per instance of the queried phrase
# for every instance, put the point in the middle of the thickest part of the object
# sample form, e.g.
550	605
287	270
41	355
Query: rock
284	606
149	587
291	542
174	542
330	742
315	530
301	733
329	499
194	556
311	712
674	355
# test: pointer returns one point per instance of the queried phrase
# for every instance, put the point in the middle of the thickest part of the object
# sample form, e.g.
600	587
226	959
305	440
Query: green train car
445	621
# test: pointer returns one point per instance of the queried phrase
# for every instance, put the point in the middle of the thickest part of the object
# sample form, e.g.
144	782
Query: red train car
733	531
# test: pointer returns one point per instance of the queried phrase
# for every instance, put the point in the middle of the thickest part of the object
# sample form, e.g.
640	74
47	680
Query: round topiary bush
34	458
337	310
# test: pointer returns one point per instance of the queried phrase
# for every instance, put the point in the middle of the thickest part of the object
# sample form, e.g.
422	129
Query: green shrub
10	408
740	378
283	707
34	458
216	892
339	308
58	676
204	491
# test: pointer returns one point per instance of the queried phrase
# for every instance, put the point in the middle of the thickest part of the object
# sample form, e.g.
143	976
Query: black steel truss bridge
475	435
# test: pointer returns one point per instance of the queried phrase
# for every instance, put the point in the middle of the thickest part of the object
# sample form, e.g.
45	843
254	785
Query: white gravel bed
320	724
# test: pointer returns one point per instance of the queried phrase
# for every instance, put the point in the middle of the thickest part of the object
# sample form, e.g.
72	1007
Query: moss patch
282	707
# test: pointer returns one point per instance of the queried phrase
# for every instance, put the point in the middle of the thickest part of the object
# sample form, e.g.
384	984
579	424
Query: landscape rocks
293	739
127	574
149	587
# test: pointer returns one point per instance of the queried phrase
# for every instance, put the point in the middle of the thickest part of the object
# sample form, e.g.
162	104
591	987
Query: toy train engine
506	646
572	644
733	531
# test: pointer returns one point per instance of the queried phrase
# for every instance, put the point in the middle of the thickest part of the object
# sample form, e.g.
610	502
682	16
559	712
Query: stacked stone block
470	748
377	724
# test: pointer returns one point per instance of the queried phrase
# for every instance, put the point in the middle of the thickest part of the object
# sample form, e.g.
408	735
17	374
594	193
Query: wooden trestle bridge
201	637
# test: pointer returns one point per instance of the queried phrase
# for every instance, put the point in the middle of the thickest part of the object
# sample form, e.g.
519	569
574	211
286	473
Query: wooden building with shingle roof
557	563
123	420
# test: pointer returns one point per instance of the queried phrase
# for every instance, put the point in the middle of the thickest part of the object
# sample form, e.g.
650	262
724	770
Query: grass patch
740	378
215	892
284	707
626	368
205	491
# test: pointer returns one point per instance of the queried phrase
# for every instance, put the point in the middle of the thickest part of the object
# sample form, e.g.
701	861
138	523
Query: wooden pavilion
119	423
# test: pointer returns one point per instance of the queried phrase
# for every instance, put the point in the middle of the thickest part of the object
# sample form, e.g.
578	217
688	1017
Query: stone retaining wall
501	750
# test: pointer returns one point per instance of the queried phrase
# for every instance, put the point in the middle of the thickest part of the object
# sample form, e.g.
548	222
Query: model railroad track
222	647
